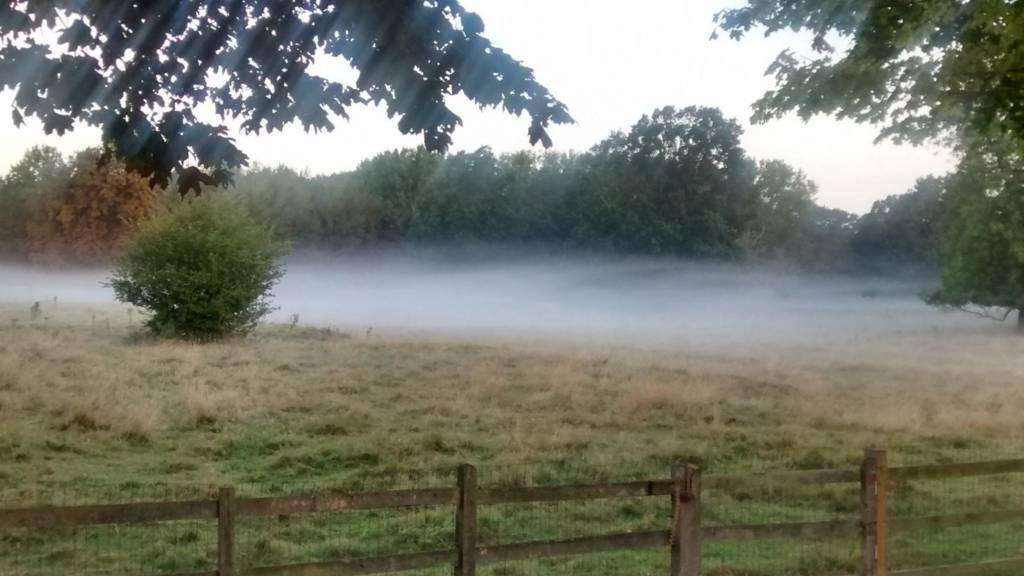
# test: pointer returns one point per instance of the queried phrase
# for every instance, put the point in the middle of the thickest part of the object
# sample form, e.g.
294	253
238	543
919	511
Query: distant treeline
678	182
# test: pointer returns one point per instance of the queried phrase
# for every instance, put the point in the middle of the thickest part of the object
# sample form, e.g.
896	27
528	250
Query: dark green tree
138	70
534	187
920	69
284	197
902	229
982	231
349	217
398	180
951	70
677	182
461	200
24	193
828	234
784	201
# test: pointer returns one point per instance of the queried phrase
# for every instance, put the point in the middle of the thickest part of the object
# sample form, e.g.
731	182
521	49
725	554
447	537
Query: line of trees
678	182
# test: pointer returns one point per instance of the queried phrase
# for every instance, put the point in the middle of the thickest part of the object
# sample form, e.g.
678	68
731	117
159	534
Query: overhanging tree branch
137	70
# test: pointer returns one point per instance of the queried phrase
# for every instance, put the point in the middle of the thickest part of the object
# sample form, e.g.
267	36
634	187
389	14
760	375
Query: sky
610	62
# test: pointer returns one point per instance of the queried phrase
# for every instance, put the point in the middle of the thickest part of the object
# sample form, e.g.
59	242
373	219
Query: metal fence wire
144	548
780	503
314	537
760	524
523	522
932	541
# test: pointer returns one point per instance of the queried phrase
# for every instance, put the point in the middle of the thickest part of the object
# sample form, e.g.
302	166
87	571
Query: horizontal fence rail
141	513
528	494
956	520
357	566
572	546
961	470
770	479
331	503
684	537
976	569
782	531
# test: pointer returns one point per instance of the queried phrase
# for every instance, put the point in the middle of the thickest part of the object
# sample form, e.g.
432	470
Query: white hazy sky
610	62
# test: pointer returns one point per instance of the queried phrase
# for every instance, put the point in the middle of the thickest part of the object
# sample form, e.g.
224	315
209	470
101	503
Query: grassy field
91	411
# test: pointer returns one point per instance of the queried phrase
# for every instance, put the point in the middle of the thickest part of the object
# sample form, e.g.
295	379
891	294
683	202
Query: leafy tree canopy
785	200
203	271
139	70
679	181
24	192
922	69
982	229
902	228
95	209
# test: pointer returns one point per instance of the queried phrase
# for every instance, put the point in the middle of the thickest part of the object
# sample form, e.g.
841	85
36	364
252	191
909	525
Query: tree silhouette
139	70
920	69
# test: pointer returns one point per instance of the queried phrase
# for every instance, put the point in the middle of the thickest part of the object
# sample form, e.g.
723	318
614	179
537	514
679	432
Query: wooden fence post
874	486
686	520
466	532
226	531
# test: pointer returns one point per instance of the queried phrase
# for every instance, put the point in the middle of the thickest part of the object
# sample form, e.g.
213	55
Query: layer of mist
615	299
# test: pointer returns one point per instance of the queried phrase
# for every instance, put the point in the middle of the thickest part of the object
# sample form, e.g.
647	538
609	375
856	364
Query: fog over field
621	300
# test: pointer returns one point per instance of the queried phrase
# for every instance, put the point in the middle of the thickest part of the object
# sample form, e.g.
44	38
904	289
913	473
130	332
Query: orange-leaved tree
86	217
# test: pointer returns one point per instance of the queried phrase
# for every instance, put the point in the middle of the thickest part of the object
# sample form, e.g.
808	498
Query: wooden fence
684	536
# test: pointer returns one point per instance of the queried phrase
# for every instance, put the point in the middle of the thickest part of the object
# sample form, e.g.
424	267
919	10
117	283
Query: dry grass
83	399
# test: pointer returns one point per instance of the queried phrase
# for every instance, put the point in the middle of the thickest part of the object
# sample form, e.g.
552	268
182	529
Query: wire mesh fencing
956	520
760	524
769	506
143	548
566	520
287	539
326	536
331	536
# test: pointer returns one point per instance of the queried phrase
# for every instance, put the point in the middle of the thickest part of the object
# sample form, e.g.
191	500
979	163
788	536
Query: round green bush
204	270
